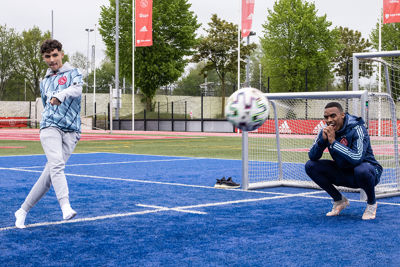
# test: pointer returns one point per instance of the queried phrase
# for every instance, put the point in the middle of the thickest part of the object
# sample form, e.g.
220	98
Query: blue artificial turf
291	231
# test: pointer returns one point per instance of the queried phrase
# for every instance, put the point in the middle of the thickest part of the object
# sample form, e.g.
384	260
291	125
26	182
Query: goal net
379	73
275	154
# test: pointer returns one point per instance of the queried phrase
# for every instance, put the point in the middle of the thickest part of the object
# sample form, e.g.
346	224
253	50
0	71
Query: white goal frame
356	66
360	107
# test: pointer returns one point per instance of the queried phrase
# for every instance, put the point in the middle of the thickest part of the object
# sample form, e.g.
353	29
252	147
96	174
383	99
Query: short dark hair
334	105
49	45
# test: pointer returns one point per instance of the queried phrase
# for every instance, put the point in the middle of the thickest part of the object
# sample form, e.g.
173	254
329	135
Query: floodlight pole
117	57
52	25
87	65
133	63
94	75
248	61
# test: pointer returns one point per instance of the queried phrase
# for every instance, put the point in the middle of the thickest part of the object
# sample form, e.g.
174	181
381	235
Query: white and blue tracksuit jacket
351	147
66	86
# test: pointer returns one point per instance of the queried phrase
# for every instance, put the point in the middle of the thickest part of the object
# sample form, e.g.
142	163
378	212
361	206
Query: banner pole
133	64
239	29
117	58
94	73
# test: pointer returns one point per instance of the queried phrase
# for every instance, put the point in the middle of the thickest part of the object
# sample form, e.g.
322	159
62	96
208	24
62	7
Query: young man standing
60	128
353	164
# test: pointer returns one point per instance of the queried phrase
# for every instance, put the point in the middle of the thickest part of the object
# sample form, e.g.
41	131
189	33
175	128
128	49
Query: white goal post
377	57
275	154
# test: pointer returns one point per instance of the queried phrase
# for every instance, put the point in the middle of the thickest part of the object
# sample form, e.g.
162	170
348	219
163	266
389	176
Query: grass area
210	147
293	150
200	146
21	147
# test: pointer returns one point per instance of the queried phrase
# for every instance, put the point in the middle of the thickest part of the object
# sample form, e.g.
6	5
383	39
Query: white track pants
58	147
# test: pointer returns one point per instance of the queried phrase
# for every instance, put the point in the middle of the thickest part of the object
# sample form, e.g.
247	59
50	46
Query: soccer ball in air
247	109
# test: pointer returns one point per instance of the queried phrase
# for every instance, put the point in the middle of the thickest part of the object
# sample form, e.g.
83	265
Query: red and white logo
144	3
284	128
144	29
321	125
62	80
344	141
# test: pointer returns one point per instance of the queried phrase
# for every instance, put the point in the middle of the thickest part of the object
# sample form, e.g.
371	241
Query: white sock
20	216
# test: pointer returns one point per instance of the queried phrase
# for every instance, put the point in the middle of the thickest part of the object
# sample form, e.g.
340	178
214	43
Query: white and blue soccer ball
247	109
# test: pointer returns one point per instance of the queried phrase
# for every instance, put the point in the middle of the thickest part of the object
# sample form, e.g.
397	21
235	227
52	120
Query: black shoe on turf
220	182
226	184
231	183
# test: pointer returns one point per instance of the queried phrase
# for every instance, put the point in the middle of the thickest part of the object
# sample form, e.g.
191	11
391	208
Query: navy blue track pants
326	173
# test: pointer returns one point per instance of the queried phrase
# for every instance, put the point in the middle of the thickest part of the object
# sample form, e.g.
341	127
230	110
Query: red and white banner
143	22
391	11
247	16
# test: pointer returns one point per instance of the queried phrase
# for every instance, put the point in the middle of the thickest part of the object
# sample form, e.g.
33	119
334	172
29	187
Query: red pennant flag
143	22
247	16
391	11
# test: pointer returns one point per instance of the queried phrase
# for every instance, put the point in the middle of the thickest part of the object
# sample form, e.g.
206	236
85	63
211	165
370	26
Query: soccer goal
275	154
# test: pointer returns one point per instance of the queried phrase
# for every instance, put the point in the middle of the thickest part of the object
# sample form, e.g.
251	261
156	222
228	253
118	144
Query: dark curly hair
49	45
334	105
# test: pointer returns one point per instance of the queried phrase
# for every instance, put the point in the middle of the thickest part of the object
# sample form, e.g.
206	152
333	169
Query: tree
390	37
256	78
350	42
31	66
297	46
79	60
105	76
8	56
174	27
219	51
191	84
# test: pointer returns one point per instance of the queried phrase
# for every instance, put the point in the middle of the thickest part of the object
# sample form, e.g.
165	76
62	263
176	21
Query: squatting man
353	164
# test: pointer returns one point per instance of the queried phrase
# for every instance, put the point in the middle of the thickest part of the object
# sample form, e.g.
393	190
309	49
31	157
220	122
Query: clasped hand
328	133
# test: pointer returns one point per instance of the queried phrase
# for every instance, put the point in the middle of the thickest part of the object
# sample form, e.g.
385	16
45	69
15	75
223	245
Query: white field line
157	182
109	163
89	219
307	194
174	209
179	209
156	209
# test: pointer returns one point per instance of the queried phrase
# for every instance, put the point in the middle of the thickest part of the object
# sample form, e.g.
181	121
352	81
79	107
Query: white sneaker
338	206
68	212
20	216
370	212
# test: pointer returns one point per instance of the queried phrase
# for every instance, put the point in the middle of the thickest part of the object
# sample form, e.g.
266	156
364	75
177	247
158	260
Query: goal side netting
275	154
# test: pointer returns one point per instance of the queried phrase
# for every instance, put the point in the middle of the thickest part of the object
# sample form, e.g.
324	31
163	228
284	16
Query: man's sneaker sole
224	186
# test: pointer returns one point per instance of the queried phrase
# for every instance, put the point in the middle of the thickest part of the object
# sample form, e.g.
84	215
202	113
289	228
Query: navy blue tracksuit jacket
351	147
